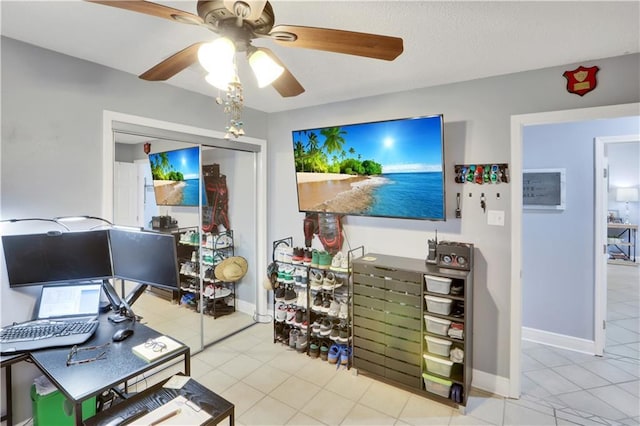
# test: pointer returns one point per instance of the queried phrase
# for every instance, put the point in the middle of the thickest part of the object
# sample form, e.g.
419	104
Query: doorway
518	122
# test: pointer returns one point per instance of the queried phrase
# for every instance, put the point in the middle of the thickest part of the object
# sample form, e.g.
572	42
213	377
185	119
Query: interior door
125	206
147	207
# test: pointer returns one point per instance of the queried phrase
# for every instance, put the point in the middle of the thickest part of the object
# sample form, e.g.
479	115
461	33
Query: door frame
518	122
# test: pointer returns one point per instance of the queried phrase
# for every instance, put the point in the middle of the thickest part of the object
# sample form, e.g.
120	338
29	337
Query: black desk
80	382
5	362
156	396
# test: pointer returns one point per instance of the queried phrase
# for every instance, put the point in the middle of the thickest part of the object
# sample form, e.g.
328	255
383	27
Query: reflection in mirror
218	225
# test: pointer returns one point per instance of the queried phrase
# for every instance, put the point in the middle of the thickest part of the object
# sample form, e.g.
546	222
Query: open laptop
59	309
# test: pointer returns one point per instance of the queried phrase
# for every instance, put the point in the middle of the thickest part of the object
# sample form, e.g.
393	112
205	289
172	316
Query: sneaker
302	278
307	257
344	310
281	312
334	354
345	355
335	332
326	304
329	281
315	258
298	317
279	295
337	262
288	274
324	260
326	326
301	302
316	325
301	342
314	349
338	283
293	338
222	241
343	334
317	303
316	280
298	255
324	351
291	316
290	295
287	255
334	309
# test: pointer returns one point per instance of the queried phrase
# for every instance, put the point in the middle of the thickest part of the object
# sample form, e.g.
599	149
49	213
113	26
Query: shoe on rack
329	281
290	295
335	332
334	309
288	274
316	324
298	317
324	260
334	354
281	312
326	304
314	349
315	258
279	294
307	257
301	277
343	333
339	282
301	301
344	310
345	355
316	280
293	337
291	315
298	255
317	303
324	351
325	327
223	241
338	263
301	342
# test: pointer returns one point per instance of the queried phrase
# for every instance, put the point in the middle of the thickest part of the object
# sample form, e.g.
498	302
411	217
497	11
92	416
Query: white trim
517	124
559	340
496	385
108	154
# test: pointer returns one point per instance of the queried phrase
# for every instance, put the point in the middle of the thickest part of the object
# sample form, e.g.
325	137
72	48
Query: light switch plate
495	217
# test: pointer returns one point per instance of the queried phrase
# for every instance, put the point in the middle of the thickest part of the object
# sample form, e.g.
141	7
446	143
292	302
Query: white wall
557	246
477	130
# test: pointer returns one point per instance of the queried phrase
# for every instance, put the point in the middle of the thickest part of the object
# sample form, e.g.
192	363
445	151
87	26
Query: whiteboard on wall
544	189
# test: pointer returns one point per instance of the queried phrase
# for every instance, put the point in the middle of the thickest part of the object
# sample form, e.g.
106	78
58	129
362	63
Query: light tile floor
271	384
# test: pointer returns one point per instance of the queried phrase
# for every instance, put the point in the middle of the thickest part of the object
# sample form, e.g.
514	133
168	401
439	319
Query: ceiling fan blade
286	84
254	10
153	9
173	65
347	42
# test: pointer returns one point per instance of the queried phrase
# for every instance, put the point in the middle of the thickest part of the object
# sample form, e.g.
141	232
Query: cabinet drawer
388	272
369	313
376	358
404	333
369	334
405	287
414	370
378	293
370	280
414	382
359	342
412	323
408	357
365	365
404	345
403	310
405	299
368	302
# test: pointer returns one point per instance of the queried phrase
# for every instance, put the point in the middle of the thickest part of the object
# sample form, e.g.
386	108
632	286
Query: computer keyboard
45	334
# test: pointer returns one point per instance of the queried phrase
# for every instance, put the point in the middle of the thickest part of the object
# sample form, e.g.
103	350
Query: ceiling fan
241	22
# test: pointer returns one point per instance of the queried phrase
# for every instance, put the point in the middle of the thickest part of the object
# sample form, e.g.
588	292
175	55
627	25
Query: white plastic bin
438	305
438	346
437	385
439	366
436	325
437	284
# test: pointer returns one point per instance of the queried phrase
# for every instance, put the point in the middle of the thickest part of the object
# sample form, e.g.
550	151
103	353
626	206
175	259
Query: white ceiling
444	42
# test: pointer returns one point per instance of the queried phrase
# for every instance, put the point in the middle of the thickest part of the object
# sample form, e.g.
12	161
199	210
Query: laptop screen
60	301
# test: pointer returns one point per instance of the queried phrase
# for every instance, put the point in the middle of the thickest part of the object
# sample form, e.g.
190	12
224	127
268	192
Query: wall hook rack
482	173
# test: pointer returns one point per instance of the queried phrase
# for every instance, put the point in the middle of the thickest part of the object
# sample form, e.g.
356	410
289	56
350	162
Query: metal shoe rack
336	326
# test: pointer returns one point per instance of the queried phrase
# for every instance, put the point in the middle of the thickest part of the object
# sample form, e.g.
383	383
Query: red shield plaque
581	80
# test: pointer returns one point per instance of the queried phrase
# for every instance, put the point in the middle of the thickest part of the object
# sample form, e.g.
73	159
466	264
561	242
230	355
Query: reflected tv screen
34	259
145	257
392	168
176	176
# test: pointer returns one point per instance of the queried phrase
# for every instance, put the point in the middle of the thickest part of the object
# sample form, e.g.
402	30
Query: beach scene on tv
388	168
176	177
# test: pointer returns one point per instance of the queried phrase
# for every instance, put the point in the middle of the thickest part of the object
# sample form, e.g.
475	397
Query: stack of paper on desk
178	411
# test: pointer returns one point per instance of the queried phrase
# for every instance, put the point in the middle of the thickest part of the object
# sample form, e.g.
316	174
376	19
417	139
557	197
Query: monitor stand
122	306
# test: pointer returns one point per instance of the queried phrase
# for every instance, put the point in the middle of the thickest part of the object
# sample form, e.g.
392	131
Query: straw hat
231	269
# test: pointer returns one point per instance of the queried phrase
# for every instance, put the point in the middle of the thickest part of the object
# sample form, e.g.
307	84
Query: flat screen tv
392	168
34	259
176	176
145	257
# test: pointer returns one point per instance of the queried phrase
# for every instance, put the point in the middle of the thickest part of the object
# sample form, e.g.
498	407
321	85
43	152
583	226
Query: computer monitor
35	259
145	257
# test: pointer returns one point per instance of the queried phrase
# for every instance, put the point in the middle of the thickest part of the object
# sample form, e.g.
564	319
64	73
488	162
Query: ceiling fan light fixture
221	77
264	67
217	53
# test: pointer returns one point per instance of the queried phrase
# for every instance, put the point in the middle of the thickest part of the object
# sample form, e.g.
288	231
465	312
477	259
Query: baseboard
245	307
559	340
491	383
